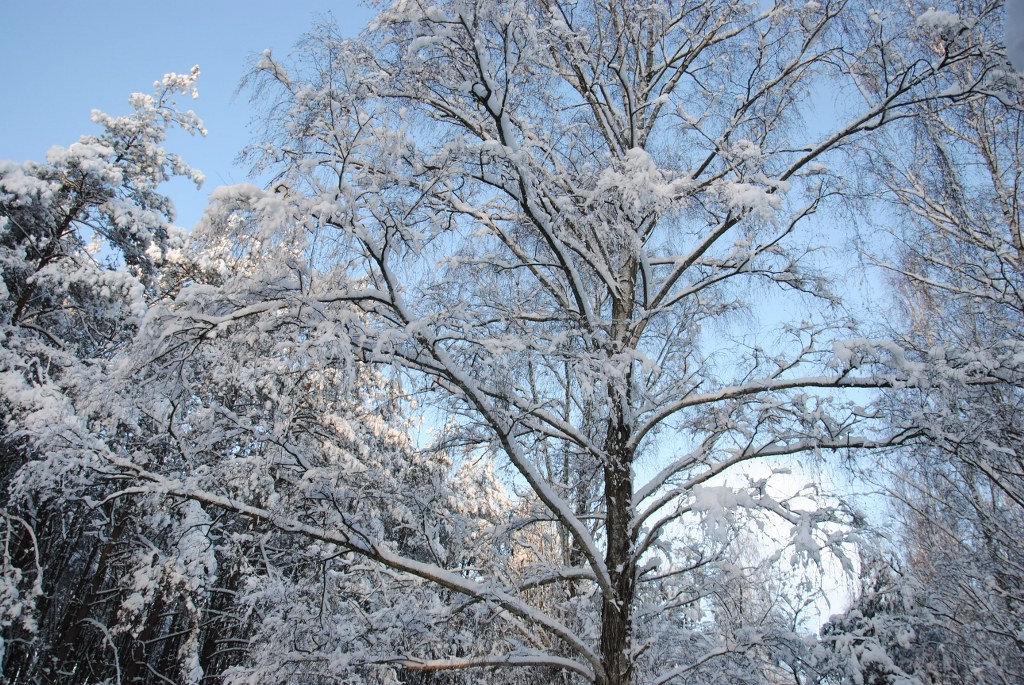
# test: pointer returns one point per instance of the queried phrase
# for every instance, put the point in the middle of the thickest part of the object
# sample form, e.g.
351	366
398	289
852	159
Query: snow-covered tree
107	582
273	419
80	239
958	265
79	235
546	222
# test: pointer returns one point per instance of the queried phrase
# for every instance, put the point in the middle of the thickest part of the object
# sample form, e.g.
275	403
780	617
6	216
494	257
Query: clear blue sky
63	58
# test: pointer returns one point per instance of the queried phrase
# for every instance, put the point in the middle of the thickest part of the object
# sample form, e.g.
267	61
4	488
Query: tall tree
541	217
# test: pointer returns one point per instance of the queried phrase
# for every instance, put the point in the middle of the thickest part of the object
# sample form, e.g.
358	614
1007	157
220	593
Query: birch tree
540	215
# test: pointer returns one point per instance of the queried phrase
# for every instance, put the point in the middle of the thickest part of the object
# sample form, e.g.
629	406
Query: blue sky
63	58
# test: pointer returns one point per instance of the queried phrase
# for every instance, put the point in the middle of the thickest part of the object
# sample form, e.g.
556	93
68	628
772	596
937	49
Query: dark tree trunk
617	611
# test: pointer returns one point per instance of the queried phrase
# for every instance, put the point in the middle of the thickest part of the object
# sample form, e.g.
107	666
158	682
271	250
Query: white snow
939	21
758	201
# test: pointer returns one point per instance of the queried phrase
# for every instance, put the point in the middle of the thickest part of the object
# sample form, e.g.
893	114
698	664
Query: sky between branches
65	59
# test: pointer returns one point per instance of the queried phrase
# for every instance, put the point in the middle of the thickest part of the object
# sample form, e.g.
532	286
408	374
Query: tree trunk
617	611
